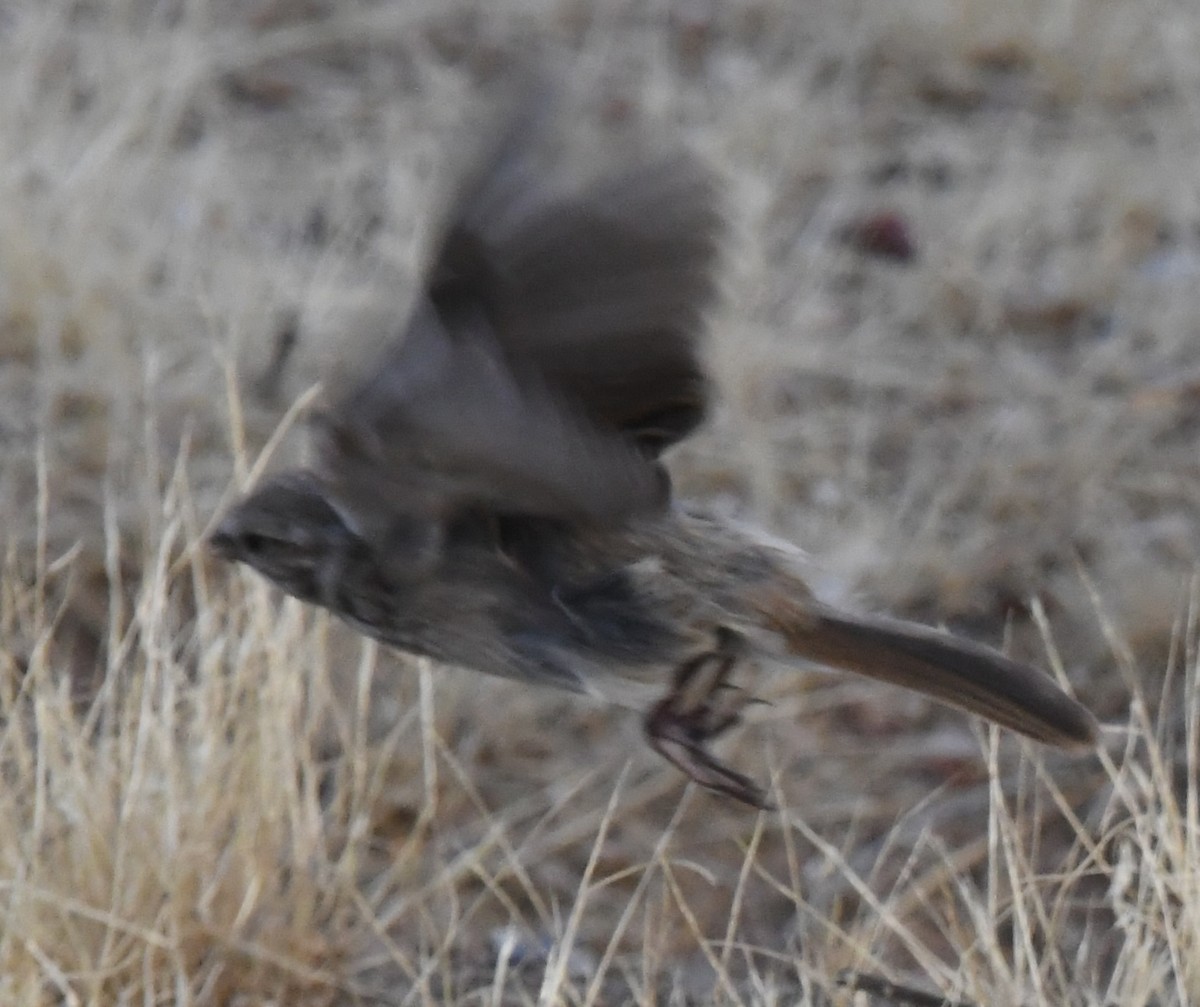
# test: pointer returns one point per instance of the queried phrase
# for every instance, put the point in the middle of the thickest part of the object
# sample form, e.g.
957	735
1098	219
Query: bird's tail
957	672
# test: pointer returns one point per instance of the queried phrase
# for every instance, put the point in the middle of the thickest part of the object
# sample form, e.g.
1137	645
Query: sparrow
490	491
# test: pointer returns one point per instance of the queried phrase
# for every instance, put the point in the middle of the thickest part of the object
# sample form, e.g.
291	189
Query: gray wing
601	290
552	354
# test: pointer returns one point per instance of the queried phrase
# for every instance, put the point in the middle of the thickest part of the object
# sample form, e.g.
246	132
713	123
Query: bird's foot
701	706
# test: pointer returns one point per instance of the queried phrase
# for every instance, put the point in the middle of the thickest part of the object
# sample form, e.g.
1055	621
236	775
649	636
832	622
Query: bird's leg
701	706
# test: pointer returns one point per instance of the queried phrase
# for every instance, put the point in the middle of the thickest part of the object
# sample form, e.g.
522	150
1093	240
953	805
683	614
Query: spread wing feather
552	353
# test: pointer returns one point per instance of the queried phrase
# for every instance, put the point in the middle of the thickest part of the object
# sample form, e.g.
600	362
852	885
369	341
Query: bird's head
288	531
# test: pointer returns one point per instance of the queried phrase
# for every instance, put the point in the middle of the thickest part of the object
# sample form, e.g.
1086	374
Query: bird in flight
490	491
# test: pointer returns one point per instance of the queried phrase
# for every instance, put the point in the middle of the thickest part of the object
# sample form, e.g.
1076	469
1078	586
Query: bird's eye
254	543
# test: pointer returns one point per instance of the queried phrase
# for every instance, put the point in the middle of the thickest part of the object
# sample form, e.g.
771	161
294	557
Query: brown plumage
491	494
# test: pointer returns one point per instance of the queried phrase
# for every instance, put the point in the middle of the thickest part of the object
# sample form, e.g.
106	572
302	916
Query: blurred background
957	361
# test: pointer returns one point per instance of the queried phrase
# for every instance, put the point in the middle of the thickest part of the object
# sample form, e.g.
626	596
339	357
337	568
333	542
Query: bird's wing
443	425
601	288
551	354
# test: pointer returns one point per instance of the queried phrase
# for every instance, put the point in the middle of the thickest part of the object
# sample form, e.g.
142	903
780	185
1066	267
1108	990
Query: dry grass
215	797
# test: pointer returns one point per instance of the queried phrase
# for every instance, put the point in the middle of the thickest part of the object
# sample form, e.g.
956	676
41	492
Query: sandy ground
958	363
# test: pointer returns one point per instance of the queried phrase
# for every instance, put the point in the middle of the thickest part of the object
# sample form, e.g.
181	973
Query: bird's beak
221	543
